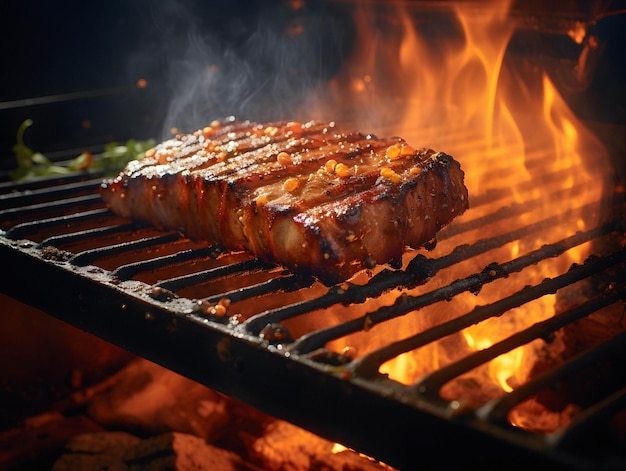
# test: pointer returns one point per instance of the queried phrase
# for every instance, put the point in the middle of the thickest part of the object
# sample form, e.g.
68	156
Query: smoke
254	60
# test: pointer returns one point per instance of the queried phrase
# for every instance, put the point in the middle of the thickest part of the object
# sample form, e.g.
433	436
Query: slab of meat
311	197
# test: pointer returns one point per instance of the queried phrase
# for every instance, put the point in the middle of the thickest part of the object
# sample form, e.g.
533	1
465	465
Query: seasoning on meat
312	197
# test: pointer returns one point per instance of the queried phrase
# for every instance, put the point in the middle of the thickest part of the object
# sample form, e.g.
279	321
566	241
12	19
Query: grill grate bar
47	182
430	385
495	194
284	284
513	210
126	272
418	270
20	230
496	411
32	197
464	252
580	429
88	234
404	304
475	282
28	210
180	282
89	256
334	295
368	365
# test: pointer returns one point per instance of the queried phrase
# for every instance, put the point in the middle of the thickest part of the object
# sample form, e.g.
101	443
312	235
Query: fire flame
512	132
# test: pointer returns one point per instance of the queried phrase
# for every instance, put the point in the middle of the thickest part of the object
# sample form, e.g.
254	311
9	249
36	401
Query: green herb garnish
116	156
32	164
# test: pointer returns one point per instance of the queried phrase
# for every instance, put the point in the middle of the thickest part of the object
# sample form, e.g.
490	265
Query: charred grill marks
309	196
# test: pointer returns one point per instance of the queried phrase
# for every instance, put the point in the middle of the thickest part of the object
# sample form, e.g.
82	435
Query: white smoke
253	61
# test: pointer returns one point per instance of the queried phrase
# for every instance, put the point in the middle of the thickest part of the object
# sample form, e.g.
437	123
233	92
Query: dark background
79	62
201	60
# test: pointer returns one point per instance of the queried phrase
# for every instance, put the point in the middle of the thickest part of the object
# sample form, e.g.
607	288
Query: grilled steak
311	197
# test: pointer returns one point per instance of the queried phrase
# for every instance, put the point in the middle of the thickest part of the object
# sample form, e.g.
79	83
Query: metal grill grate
152	293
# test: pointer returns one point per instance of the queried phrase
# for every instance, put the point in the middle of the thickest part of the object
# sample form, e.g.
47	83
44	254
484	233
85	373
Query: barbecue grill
283	342
97	286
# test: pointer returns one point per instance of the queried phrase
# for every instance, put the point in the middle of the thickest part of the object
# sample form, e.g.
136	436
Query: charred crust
445	159
405	187
351	215
382	196
397	200
274	212
355	153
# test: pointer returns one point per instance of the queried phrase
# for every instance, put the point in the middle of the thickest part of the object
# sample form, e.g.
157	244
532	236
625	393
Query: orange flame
512	132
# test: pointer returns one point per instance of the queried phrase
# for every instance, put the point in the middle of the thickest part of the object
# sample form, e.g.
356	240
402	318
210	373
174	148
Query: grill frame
143	319
385	419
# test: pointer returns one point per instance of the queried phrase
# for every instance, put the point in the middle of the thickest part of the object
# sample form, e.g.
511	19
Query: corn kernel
207	131
291	184
415	171
330	165
393	152
390	175
270	131
219	310
261	200
150	153
284	158
342	170
215	124
294	127
406	150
